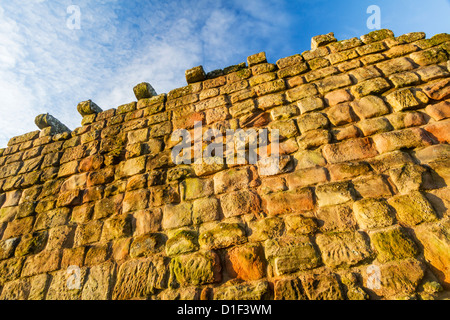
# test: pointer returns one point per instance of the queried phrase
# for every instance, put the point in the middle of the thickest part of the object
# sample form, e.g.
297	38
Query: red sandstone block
439	111
354	149
289	201
439	131
338	96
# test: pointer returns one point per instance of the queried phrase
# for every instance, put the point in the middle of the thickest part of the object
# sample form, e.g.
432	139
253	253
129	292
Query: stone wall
360	193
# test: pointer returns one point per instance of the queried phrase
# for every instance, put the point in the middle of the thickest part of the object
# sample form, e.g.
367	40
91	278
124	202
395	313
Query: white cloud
47	67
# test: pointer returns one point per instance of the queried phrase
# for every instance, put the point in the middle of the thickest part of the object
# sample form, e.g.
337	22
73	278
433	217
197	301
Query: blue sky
47	67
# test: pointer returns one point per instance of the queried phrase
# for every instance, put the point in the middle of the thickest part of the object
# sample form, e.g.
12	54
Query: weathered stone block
196	269
289	289
195	74
46	261
310	104
255	290
140	278
407	138
312	121
440	131
430	56
322	40
267	228
246	262
256	59
293	201
334	193
373	213
354	149
305	177
438	90
223	235
335	218
371	186
144	90
368	87
338	96
412	208
301	92
435	240
341	114
175	216
291	254
377	35
88	233
392	244
408	177
194	188
182	242
240	202
314	138
334	82
439	110
343	249
146	245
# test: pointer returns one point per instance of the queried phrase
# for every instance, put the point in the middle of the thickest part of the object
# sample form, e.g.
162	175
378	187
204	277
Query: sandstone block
146	245
140	277
283	112
368	87
240	202
116	227
270	87
293	201
301	92
246	262
322	40
377	35
312	121
430	56
392	244
305	177
435	241
256	59
205	210
343	249
313	138
255	290
182	242
46	261
412	208
322	287
291	254
334	82
371	186
407	138
354	149
195	74
440	131
175	216
334	193
310	104
373	213
194	188
88	233
289	289
269	101
439	110
335	218
223	235
438	90
338	96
